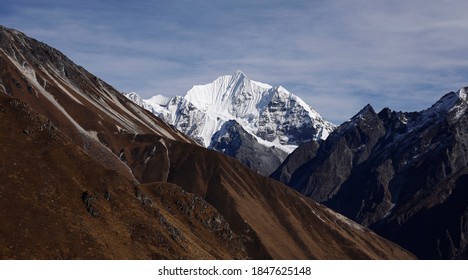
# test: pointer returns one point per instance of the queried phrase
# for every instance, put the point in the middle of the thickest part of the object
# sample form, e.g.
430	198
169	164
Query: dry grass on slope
272	220
56	202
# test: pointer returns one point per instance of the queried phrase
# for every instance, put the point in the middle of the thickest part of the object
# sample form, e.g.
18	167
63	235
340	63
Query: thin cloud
337	55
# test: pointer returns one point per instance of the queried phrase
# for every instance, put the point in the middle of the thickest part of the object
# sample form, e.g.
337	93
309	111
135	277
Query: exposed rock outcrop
398	173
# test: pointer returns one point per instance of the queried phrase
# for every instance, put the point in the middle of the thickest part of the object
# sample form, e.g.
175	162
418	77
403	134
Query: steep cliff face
234	141
69	142
300	156
334	160
390	170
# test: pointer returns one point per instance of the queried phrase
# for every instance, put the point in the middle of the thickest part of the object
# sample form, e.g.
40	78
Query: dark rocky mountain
87	174
232	140
300	156
401	174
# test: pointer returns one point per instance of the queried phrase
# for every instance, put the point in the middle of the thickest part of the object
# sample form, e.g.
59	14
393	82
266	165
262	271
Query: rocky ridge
399	173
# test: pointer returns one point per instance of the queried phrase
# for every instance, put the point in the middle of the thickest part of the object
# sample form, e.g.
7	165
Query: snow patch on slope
450	107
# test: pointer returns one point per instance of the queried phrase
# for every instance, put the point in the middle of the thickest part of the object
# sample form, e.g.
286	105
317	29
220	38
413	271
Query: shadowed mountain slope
401	174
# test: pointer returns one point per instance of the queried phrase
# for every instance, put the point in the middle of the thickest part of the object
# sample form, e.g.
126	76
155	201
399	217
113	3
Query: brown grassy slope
57	202
273	220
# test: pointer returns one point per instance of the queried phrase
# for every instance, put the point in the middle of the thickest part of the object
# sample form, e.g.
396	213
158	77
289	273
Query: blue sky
336	55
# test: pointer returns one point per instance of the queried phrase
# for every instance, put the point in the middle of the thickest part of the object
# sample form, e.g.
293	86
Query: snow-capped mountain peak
451	107
272	114
449	101
158	99
229	96
462	93
135	98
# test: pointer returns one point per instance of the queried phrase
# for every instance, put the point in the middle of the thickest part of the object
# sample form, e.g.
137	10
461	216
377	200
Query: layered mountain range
251	121
402	174
87	174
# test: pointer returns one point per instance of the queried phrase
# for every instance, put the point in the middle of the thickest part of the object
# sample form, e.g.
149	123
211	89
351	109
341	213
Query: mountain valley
88	174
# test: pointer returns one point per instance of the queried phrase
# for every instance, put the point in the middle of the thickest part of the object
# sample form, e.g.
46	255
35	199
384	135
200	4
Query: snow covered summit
229	96
274	117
